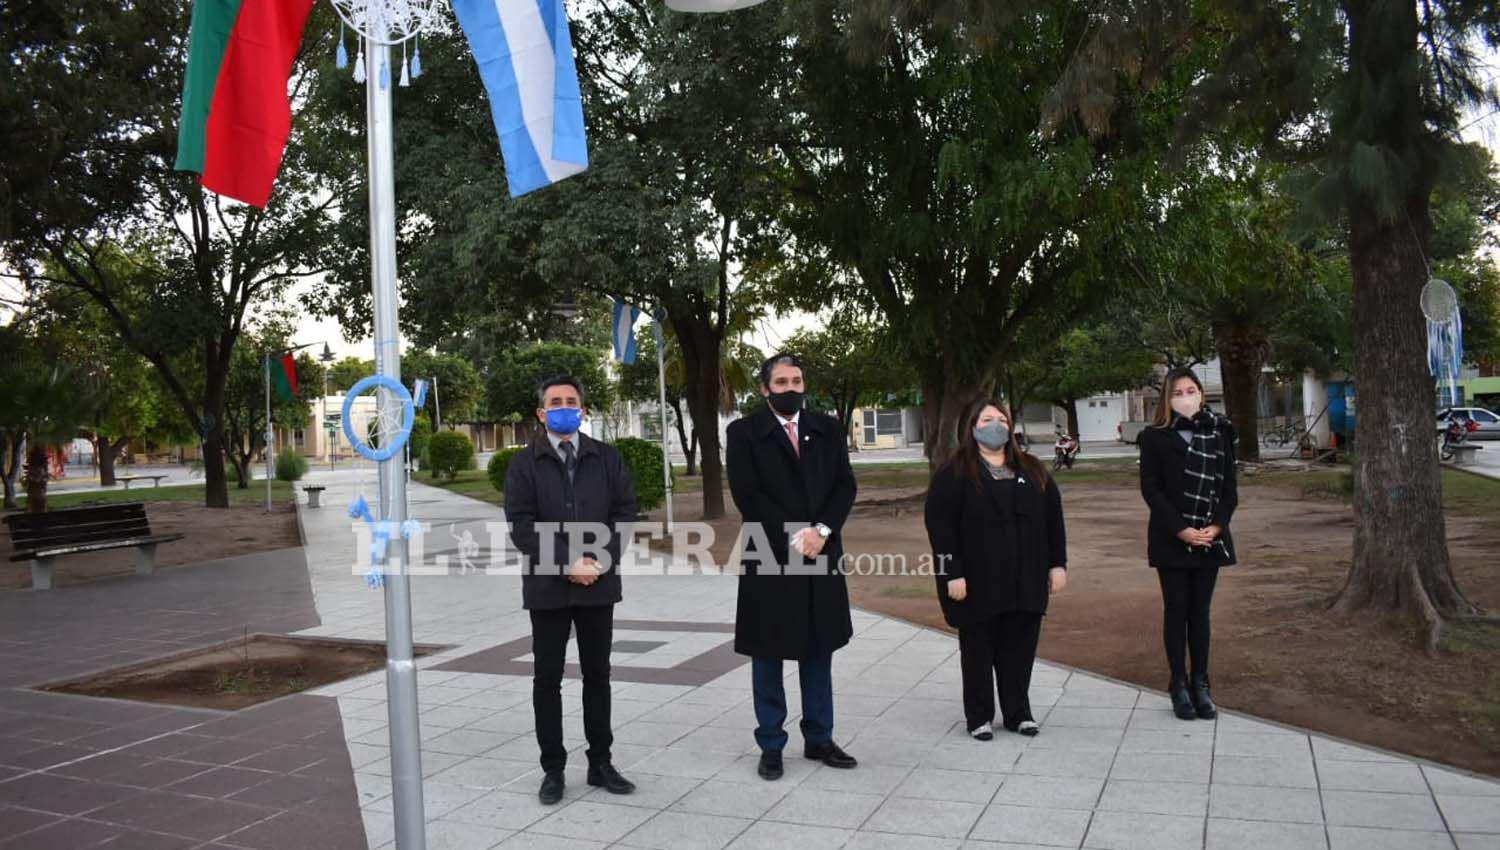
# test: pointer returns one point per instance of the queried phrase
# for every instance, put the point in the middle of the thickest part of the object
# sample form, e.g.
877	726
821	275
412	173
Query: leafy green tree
516	374
459	389
851	363
92	204
918	189
348	371
1367	95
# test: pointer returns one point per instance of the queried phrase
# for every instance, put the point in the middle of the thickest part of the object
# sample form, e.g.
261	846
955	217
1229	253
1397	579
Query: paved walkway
1111	769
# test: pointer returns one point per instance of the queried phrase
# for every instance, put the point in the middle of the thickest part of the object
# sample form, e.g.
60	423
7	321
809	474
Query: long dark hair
967	462
1165	415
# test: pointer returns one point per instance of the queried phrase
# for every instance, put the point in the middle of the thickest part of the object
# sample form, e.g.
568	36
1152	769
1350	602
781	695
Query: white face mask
1187	406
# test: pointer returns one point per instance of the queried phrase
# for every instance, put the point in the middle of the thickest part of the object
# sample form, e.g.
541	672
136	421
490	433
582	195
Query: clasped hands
1199	537
584	571
808	542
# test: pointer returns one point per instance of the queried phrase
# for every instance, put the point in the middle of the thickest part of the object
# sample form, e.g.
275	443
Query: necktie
570	459
791	433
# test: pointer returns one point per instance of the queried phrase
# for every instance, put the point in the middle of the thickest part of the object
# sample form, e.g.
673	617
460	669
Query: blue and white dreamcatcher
396	420
1445	338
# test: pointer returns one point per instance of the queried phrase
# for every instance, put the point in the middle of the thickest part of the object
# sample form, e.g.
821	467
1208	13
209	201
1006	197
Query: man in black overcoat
790	477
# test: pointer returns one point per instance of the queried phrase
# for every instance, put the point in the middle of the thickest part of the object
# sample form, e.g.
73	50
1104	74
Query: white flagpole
666	452
400	668
269	432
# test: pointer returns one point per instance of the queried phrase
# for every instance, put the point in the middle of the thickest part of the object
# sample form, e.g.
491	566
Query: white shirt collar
557	442
796	418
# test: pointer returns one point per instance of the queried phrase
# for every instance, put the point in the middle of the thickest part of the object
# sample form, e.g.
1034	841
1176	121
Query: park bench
126	479
41	538
1463	453
314	495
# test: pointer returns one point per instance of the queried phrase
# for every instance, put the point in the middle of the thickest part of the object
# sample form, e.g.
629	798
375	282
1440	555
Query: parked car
1488	422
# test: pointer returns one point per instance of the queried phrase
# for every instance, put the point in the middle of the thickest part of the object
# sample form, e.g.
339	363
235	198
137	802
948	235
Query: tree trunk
1071	406
689	445
701	356
1400	547
945	394
105	452
10	465
36	476
1242	352
215	483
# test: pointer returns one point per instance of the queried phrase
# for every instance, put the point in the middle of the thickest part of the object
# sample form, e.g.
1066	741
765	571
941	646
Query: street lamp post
328	433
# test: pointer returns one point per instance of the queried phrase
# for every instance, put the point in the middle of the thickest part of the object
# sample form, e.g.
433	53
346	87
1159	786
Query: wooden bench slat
81	536
95	547
120	526
72	516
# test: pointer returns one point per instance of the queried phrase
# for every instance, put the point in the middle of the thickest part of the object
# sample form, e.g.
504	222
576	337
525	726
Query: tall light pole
329	434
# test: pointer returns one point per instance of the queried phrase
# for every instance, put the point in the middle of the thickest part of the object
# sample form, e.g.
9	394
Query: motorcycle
1064	451
1457	432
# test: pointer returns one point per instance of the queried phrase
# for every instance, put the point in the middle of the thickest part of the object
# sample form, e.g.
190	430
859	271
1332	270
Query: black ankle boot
1182	703
1201	700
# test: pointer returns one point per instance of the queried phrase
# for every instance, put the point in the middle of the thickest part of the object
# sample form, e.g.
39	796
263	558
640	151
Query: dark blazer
535	491
1001	538
1163	460
782	615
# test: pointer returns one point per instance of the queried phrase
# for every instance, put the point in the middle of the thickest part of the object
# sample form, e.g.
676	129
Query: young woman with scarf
995	521
1188	480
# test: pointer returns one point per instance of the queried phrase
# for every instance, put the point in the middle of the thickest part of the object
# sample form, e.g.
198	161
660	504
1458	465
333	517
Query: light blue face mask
993	435
564	420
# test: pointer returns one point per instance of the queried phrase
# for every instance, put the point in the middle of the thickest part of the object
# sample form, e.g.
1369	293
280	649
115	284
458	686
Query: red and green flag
235	113
284	376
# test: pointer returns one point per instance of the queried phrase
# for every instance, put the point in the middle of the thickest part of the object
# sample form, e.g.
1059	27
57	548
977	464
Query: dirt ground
212	533
235	677
1277	653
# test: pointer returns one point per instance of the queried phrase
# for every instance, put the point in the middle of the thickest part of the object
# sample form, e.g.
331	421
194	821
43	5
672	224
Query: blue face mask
564	420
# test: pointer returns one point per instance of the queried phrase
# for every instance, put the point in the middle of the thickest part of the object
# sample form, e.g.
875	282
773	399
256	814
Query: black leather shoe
1202	702
830	754
1182	702
605	776
552	788
770	764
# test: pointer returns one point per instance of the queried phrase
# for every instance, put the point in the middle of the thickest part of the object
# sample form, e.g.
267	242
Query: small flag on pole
624	331
236	116
284	375
525	55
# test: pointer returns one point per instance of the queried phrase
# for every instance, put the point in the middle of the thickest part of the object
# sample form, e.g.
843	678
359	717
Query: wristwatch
823	530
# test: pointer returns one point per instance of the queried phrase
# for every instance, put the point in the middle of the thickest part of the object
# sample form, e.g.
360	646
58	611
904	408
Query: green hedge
290	466
499	463
644	460
449	452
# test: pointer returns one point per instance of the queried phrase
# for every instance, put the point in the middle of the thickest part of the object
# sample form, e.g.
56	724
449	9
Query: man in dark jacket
554	486
790	477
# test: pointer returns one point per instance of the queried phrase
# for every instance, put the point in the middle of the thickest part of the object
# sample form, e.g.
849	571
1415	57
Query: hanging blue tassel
341	59
359	65
416	60
385	75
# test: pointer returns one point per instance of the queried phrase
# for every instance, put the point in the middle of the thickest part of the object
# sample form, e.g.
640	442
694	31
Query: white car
1488	422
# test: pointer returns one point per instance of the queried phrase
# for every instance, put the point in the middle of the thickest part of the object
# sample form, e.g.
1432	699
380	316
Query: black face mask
785	403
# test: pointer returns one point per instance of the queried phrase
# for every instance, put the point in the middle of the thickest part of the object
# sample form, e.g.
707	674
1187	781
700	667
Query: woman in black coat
995	520
1188	480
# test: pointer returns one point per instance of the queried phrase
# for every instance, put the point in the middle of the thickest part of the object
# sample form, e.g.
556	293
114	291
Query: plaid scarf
1203	471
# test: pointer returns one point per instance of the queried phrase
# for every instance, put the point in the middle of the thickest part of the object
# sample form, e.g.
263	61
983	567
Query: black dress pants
1186	594
999	649
594	625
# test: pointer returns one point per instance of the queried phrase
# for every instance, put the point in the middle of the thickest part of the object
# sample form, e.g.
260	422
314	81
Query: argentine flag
525	57
624	331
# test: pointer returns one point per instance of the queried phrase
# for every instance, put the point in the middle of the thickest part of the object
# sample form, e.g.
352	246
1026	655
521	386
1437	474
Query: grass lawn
281	492
474	483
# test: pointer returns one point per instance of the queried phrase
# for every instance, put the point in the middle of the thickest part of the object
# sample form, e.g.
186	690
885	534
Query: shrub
499	463
448	452
290	466
644	460
421	433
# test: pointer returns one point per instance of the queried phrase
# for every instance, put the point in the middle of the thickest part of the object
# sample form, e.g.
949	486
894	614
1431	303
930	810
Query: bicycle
1282	435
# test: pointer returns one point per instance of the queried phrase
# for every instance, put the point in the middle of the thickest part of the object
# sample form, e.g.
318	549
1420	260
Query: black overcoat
790	608
536	491
1001	537
1164	456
